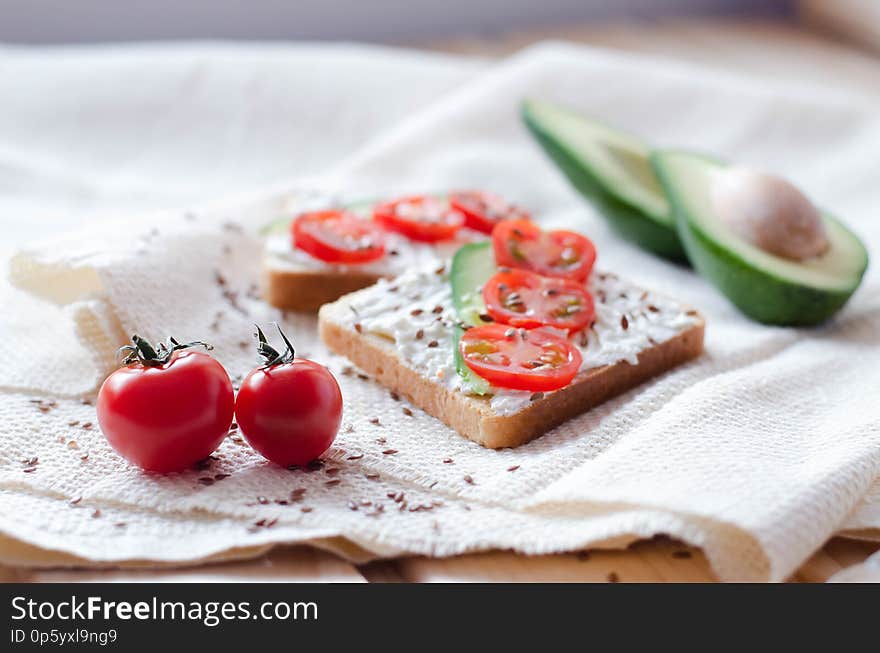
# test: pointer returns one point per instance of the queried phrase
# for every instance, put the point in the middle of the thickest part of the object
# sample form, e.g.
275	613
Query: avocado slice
767	288
612	170
472	266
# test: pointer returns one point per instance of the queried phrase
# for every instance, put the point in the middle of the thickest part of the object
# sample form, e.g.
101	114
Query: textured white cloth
757	452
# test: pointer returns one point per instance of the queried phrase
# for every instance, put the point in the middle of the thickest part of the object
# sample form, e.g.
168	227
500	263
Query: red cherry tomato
289	410
524	299
482	210
166	416
421	217
563	254
337	236
518	359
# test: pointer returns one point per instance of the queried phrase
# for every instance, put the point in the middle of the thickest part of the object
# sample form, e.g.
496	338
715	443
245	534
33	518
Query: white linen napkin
757	452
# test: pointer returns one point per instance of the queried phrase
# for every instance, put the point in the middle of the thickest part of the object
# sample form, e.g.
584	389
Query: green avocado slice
612	170
472	266
767	288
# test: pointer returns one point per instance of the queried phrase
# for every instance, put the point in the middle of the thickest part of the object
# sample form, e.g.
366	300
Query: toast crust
307	290
472	416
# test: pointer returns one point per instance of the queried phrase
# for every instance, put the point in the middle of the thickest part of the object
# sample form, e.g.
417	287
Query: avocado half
612	170
767	288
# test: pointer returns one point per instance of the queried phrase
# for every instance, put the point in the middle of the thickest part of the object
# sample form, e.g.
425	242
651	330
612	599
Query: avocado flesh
767	288
612	170
472	266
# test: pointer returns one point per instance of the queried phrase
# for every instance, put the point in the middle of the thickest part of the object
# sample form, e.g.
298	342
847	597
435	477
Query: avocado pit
770	213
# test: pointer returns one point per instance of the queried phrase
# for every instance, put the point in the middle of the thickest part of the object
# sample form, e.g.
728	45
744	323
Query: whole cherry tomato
166	409
290	409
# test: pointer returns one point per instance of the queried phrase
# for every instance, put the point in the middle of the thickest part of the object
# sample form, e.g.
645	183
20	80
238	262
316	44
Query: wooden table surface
768	49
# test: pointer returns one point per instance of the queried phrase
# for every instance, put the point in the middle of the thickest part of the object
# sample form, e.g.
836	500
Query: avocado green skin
627	220
759	294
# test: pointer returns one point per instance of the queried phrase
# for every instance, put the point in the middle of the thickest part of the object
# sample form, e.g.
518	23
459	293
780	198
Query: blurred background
114	105
385	21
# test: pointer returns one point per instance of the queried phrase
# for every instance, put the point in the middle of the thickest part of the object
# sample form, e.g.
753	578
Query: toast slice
293	280
355	327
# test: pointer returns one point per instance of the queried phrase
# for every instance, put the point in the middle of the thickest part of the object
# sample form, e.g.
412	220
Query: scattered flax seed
120	524
352	505
73	445
315	465
262	500
73	422
433	343
391	494
536	396
363	377
437	310
356	456
220	477
416	312
692	313
398	497
440	270
332	482
75	501
374	420
486	317
87	425
613	577
297	494
389	452
62	439
420	334
653	308
448	461
96	513
28	470
376	511
349	428
306	509
271	522
513	468
624	322
365	502
331	471
372	476
683	555
282	502
84	457
206	480
394	396
348	370
468	479
358	327
381	441
407	412
30	462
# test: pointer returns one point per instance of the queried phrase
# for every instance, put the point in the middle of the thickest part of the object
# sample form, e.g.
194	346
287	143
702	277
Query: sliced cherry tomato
166	409
337	236
290	409
524	299
482	210
421	217
563	254
518	359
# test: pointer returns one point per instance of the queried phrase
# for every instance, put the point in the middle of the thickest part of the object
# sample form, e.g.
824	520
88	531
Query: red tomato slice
524	299
482	210
337	236
563	254
518	359
421	217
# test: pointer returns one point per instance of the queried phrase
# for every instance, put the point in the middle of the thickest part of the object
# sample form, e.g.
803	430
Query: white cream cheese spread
415	312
